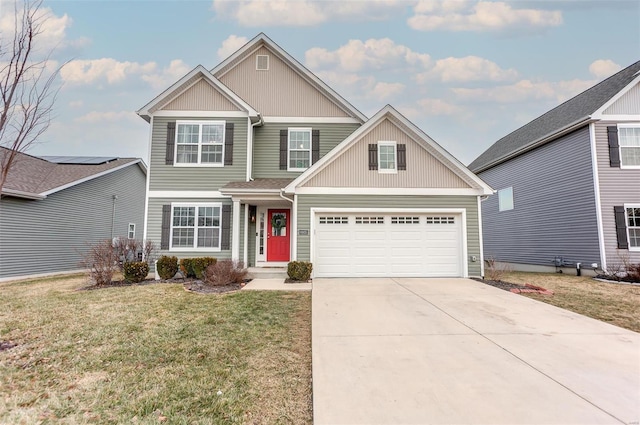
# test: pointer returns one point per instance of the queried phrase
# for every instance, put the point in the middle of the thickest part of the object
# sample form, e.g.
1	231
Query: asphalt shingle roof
258	184
572	111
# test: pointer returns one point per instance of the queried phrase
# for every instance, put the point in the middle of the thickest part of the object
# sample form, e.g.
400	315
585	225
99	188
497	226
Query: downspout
250	146
113	216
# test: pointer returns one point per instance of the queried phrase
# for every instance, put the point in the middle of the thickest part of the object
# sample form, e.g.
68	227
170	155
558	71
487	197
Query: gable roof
31	177
262	40
571	114
187	81
389	112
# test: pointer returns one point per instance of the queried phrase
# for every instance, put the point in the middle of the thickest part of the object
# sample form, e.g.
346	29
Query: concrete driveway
455	351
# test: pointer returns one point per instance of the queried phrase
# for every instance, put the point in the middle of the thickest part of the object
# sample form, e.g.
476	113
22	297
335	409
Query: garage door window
405	220
441	220
369	220
334	220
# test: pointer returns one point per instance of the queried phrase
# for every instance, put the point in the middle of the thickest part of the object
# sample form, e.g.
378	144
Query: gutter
21	194
250	146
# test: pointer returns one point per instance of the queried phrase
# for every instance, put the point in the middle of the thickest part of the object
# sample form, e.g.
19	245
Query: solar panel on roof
79	160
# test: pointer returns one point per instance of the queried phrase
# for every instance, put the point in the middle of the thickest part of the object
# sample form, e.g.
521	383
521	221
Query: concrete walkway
275	285
456	351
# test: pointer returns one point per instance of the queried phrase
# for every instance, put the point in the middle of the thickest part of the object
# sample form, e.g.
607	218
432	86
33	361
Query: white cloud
524	91
603	68
298	13
469	68
362	87
384	91
109	116
230	45
437	107
458	15
76	104
169	75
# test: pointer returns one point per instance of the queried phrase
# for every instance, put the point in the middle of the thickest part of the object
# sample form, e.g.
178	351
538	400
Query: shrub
167	267
299	270
495	271
186	267
135	271
101	261
225	272
132	250
195	267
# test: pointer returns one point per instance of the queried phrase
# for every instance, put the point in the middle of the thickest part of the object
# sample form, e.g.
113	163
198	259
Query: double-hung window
633	226
200	143
299	149
195	226
629	140
387	157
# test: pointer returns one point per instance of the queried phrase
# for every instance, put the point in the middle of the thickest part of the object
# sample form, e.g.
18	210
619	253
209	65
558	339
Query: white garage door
370	245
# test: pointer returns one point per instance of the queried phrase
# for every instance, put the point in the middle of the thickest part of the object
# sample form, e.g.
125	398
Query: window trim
393	170
513	204
258	62
131	234
622	166
299	129
200	144
626	223
195	248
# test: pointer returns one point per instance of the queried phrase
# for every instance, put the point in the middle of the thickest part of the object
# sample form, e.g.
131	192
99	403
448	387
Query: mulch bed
199	287
515	288
191	285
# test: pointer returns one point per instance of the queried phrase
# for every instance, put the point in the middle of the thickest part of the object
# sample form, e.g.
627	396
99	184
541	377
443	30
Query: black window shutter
225	242
621	227
166	226
402	157
171	142
315	146
228	144
373	157
284	141
614	151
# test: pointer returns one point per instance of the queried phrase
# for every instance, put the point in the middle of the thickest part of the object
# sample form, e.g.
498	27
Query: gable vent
262	62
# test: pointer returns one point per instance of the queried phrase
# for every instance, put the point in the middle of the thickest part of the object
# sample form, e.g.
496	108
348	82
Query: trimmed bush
195	267
225	272
135	271
167	267
299	270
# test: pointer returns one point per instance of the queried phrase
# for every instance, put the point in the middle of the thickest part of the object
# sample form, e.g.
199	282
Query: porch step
267	272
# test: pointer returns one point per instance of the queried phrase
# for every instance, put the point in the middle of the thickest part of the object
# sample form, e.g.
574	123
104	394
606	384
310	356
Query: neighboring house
51	208
569	182
259	160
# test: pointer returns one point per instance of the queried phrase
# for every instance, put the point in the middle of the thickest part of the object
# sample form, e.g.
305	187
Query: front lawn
153	354
617	304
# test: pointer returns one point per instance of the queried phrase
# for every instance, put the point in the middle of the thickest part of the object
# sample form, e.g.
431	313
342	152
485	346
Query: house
259	160
52	208
569	183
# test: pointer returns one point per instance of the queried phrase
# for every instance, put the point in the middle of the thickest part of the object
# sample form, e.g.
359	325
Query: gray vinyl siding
470	203
51	235
251	253
266	145
154	227
554	211
169	177
618	186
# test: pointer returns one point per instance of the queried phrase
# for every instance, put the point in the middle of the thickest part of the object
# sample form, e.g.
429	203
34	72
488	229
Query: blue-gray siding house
52	208
568	183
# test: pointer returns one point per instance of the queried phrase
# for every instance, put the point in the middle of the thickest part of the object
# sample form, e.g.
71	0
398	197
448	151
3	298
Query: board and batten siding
154	226
617	187
628	104
50	235
554	211
170	177
469	203
266	145
351	168
279	91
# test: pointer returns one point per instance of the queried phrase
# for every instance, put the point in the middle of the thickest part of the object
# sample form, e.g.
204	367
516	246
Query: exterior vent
262	62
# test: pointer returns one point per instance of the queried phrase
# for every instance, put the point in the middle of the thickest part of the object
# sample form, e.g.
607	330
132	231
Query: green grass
153	353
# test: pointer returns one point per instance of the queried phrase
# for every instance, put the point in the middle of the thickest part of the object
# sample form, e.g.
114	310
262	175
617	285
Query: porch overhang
257	191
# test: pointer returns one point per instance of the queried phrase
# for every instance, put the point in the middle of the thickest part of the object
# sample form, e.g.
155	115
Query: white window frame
393	170
620	146
131	231
299	130
511	205
258	61
200	144
626	222
195	247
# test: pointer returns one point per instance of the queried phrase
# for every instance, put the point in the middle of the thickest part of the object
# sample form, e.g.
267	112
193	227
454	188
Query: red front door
278	237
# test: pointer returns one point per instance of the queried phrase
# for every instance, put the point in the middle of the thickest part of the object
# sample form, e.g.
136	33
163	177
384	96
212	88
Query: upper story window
200	143
505	199
387	157
629	140
299	149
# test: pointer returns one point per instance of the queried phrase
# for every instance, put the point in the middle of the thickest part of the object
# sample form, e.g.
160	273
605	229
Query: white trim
245	245
22	194
596	191
200	143
461	211
146	197
387	191
619	117
195	205
129	231
311	120
293	256
393	170
599	113
627	125
258	61
196	194
91	177
235	230
481	238
512	206
626	206
298	130
200	114
261	257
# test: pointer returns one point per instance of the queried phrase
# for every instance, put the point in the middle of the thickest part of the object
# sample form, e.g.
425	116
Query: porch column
235	231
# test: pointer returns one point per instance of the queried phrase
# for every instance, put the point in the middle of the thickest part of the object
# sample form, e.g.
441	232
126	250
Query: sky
466	72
